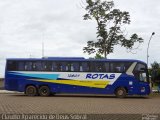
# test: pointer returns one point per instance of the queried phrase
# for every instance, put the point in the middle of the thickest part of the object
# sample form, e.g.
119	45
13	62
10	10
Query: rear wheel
44	91
31	90
121	92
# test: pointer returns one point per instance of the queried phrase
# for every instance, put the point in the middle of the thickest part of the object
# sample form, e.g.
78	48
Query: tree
109	28
155	65
98	56
155	72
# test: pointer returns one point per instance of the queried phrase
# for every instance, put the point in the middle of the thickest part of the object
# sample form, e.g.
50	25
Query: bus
53	75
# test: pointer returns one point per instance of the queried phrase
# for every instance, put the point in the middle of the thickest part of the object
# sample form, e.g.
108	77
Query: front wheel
44	91
121	92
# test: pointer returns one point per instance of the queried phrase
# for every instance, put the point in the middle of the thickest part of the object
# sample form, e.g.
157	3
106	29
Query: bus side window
46	66
55	66
106	65
72	67
59	67
99	67
12	65
66	67
34	66
84	67
21	66
49	66
75	66
28	66
80	68
37	66
112	67
117	67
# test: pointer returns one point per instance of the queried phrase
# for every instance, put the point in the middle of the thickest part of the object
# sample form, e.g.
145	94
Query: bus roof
74	59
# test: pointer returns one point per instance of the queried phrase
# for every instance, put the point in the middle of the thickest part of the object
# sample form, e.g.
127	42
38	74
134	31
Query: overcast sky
25	24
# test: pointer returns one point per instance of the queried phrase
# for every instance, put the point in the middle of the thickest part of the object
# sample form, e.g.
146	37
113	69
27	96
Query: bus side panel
120	82
11	82
18	83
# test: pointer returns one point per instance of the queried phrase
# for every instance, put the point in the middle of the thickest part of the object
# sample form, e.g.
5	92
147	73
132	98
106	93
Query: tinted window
37	66
139	67
46	66
119	66
28	66
65	66
84	67
12	65
68	66
55	66
97	67
106	67
21	66
75	66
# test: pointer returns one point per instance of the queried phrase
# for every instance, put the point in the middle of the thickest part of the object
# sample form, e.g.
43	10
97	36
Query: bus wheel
121	92
44	91
31	90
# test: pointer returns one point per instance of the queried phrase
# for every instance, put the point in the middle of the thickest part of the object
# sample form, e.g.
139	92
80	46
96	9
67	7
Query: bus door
142	78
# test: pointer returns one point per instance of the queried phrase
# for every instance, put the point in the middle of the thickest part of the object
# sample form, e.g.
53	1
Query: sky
59	25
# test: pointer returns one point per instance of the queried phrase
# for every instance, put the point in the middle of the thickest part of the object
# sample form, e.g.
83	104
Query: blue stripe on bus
43	76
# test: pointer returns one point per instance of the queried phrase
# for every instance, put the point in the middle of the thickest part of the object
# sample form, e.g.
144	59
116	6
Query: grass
1	83
155	87
154	95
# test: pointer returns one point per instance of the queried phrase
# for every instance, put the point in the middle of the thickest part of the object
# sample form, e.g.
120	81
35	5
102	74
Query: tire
53	94
31	90
44	91
121	92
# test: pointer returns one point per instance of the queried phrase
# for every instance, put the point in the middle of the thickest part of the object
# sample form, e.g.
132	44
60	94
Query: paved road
19	103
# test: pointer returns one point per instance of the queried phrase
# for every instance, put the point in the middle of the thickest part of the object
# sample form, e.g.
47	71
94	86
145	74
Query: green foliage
109	27
155	65
98	56
155	72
